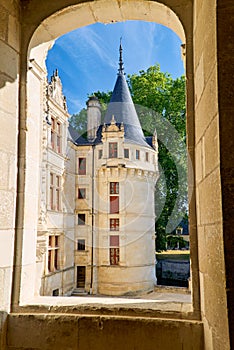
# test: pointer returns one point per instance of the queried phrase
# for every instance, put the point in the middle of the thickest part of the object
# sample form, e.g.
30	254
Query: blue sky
87	58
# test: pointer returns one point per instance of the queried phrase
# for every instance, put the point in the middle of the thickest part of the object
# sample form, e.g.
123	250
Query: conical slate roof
123	109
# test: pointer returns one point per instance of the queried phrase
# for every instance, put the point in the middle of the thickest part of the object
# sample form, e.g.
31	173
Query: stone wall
225	52
173	269
209	57
99	333
9	94
208	180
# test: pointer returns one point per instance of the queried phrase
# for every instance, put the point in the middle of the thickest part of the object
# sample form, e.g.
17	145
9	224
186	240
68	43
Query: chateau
96	215
30	321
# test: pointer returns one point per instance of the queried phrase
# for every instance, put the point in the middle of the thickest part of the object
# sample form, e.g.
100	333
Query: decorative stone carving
41	246
55	91
42	215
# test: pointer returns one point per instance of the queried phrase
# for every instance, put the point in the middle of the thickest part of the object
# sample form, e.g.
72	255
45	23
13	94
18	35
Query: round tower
126	175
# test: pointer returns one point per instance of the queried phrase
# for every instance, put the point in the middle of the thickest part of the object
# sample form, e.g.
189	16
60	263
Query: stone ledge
157	305
53	331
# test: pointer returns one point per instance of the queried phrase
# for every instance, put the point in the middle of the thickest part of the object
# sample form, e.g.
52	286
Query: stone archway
38	36
70	18
208	30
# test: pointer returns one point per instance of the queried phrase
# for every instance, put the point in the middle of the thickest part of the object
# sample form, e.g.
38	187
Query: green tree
79	121
166	96
160	93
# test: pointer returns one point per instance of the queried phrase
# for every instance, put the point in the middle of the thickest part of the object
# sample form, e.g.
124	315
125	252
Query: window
81	244
82	193
137	154
114	250
51	191
53	256
146	156
114	224
126	153
113	153
82	166
114	204
56	136
55	292
81	219
100	154
55	192
114	200
114	187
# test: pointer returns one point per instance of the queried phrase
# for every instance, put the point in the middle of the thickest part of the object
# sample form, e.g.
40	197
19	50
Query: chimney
93	116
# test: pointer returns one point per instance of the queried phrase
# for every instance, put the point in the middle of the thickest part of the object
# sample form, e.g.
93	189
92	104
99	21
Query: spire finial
121	68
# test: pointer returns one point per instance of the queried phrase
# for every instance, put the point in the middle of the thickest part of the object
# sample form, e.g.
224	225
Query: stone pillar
225	13
211	230
9	94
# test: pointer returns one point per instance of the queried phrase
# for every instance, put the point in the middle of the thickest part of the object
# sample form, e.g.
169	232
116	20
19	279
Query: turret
122	107
93	116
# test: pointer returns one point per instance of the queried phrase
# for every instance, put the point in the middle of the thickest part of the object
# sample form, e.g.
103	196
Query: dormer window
113	151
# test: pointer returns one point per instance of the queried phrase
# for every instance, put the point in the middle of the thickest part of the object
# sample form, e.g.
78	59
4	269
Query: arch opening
87	13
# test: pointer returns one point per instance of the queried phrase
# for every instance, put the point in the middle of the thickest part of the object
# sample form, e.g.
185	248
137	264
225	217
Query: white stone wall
55	221
9	109
137	179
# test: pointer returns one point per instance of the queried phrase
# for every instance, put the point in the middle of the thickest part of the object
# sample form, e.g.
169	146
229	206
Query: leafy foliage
161	94
174	241
79	121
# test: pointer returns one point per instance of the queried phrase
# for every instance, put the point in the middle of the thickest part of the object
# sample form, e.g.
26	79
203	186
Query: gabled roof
123	109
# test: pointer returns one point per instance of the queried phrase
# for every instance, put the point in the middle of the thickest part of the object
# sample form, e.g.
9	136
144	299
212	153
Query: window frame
114	251
114	204
82	166
80	196
126	150
114	224
81	222
113	152
56	135
100	154
137	154
81	244
114	187
53	263
55	192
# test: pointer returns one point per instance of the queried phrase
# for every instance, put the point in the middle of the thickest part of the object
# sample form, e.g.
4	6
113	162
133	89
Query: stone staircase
77	292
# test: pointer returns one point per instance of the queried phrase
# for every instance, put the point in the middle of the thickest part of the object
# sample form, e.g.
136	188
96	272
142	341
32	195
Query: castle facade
97	220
